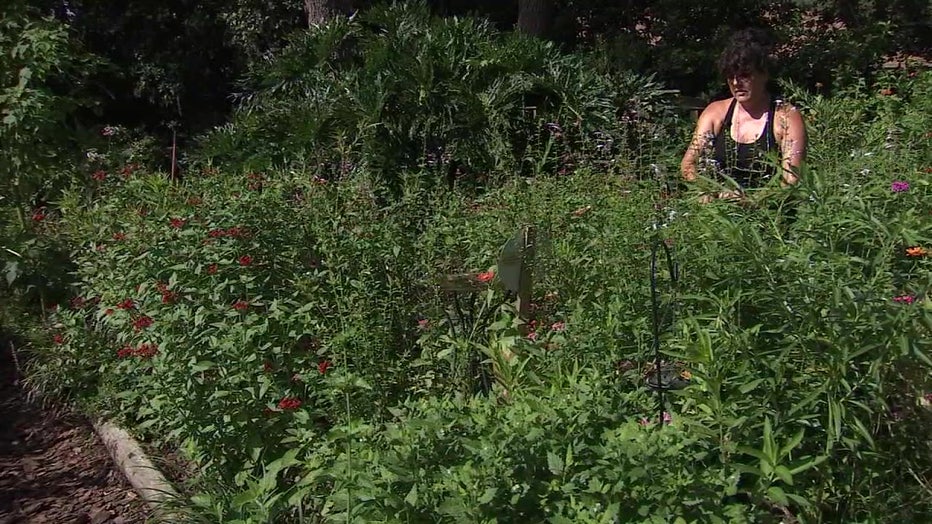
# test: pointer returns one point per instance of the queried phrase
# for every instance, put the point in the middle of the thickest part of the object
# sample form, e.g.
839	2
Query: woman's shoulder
714	114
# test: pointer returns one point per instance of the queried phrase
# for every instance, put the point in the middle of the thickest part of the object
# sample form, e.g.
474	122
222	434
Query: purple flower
899	186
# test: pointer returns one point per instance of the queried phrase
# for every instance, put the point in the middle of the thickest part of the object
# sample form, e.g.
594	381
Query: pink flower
667	418
423	323
899	186
176	223
532	336
904	299
558	326
644	421
241	305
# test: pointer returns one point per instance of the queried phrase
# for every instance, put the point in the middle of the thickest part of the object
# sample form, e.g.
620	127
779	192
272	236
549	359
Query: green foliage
397	90
286	327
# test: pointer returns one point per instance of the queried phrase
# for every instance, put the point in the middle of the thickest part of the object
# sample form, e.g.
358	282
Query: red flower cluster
99	175
143	351
177	223
126	304
128	169
245	260
142	322
38	215
233	232
167	296
241	305
212	269
58	339
289	403
323	366
108	311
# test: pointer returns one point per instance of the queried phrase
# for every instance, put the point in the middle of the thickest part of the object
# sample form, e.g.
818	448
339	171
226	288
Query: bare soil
53	468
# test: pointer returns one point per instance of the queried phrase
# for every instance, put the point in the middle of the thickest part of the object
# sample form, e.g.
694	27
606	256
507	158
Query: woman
734	136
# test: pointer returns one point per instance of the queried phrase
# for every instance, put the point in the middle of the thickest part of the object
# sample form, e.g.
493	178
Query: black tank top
745	162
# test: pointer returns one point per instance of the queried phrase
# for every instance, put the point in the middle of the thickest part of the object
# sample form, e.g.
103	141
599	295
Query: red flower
245	260
119	236
216	233
323	366
168	297
212	269
125	351
58	339
126	304
177	223
486	276
99	175
423	323
142	323
236	232
108	311
289	403
241	305
916	251
128	169
39	215
146	350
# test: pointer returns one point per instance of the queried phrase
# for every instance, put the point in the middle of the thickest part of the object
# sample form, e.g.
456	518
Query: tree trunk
535	17
319	11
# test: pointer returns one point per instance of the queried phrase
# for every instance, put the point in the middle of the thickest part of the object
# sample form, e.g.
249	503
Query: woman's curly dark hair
747	51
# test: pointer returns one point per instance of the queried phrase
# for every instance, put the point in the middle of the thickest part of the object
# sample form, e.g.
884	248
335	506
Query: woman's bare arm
793	142
705	128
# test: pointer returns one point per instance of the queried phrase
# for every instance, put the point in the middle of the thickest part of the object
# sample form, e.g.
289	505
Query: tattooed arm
793	140
705	129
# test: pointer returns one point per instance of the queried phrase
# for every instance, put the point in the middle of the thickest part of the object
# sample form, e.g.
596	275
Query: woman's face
748	86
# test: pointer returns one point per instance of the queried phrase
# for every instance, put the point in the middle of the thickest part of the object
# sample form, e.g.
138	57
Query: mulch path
53	468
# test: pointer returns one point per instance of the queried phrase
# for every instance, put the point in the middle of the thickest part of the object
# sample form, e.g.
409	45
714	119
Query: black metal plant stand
662	379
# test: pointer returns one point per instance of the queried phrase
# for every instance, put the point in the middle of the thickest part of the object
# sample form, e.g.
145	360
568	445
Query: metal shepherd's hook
657	244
